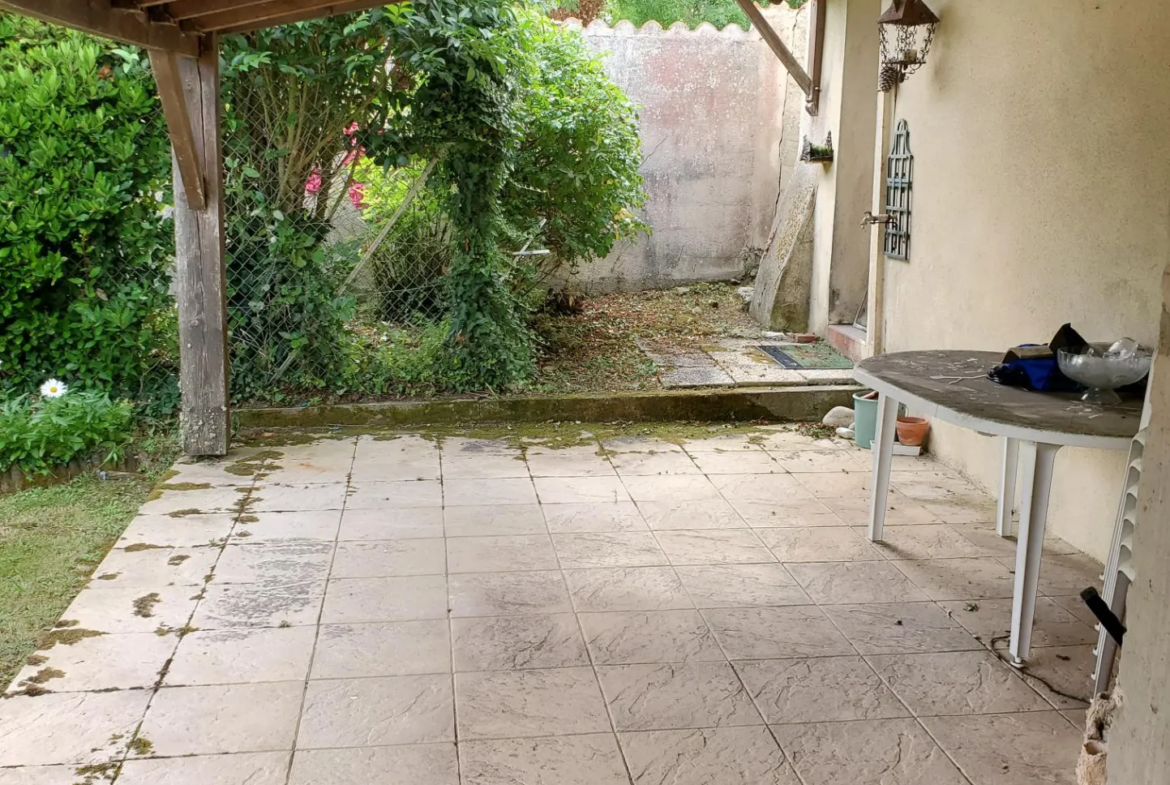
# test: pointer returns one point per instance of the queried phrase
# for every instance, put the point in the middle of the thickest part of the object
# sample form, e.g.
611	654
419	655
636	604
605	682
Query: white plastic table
952	386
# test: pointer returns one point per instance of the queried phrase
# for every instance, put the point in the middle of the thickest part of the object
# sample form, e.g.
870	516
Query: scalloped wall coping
626	27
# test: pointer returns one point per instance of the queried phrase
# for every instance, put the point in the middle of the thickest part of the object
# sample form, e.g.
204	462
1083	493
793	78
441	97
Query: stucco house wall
719	121
1041	189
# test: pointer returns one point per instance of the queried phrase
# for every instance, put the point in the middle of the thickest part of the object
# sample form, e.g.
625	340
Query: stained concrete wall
1041	189
719	122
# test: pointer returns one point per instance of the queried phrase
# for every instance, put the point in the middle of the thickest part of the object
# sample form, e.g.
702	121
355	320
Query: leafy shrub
85	249
720	13
39	434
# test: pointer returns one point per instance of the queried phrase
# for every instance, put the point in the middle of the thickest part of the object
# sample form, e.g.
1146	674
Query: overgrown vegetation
719	13
84	244
38	434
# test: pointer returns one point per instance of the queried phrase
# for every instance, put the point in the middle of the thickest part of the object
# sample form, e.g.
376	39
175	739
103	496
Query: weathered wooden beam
186	152
315	11
261	13
772	38
200	270
816	54
189	9
99	17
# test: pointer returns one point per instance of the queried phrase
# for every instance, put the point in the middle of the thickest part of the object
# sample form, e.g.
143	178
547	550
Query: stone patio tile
806	461
820	544
513	490
297	497
507	593
529	703
1054	626
1062	575
516	553
741	586
41	775
584	461
242	656
988	542
672	696
571	518
73	728
467	446
153	568
352	600
627	589
1076	606
868	752
631	637
166	532
1076	718
713	514
377	712
896	628
581	490
494	519
1011	749
483	466
747	371
928	541
517	642
253	605
900	511
743	462
250	768
618	549
776	633
960	579
657	462
961	509
670	488
1067	668
785	438
403	648
965	682
818	689
786	513
103	662
393	445
410	465
114	611
714	546
274	527
213	472
391	524
223	718
827	375
839	583
639	444
836	485
591	759
759	487
932	486
274	563
694	376
393	496
423	764
210	500
388	558
728	756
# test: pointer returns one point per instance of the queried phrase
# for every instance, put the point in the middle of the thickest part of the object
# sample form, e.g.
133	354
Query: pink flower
313	184
356	196
352	129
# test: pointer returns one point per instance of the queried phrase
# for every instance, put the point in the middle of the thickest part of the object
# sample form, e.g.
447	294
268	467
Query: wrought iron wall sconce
907	31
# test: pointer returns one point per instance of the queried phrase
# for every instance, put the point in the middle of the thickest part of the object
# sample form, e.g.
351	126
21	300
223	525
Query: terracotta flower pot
912	430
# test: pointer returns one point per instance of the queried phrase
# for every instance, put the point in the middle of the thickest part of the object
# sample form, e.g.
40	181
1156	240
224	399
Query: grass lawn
51	539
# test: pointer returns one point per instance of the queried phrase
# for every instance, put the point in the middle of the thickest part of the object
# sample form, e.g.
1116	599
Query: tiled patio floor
393	611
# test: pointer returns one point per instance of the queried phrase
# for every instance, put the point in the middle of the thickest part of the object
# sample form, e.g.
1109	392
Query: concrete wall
719	122
840	270
1041	186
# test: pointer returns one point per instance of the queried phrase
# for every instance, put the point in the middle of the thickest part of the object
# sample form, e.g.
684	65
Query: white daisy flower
53	389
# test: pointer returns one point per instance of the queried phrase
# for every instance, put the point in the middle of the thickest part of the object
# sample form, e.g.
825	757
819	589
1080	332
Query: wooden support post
772	38
199	257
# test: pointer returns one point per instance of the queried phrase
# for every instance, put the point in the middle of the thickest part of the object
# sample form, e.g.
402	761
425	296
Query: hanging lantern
907	29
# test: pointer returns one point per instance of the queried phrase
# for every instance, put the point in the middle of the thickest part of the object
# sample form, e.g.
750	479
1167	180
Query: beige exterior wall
848	87
1041	185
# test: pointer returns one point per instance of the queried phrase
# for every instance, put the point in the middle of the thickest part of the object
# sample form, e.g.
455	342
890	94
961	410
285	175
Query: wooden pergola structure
182	39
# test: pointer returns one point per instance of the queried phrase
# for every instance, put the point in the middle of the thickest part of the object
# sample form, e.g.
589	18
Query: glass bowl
1103	374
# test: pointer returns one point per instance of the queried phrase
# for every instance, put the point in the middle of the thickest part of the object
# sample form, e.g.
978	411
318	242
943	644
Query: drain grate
780	356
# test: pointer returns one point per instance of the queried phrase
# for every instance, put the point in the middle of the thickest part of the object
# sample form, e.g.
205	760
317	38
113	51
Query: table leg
1007	486
1037	461
883	458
